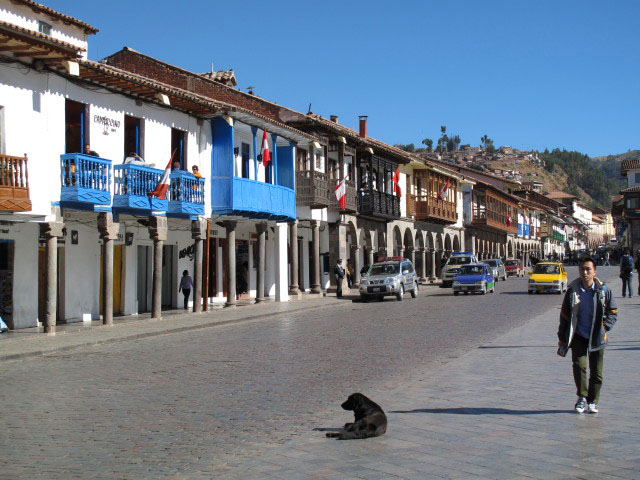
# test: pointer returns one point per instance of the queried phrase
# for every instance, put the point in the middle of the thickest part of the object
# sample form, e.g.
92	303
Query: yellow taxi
548	277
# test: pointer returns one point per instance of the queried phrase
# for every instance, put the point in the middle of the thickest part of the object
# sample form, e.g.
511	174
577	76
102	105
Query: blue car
475	277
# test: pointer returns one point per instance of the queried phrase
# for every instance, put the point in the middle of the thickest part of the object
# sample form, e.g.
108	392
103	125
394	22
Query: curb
137	336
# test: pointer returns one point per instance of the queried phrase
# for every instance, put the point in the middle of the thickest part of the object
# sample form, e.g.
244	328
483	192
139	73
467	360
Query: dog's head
354	402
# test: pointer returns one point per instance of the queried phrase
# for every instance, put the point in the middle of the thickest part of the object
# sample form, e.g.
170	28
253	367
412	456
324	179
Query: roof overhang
24	44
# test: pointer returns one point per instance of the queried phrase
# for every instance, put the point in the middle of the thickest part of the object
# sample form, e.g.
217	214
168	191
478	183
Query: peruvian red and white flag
444	192
509	220
396	183
163	185
341	193
264	150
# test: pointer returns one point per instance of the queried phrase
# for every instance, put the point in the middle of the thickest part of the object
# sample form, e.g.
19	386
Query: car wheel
380	298
493	290
455	294
504	278
400	294
530	292
466	293
364	298
414	292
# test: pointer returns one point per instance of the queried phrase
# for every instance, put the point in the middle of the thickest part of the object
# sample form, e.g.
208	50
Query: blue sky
530	74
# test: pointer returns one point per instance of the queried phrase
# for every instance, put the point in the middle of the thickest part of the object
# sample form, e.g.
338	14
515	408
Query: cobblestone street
471	385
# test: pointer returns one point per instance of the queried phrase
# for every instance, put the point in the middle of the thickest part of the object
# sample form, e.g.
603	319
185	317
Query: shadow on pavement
482	411
513	293
518	346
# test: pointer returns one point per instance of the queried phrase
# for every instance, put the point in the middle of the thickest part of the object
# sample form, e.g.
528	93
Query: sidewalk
502	411
32	342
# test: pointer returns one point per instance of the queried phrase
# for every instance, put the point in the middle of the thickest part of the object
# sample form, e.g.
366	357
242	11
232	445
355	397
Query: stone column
315	229
356	267
199	234
157	233
473	244
51	231
294	288
400	251
369	251
108	232
423	272
230	227
412	255
261	228
433	277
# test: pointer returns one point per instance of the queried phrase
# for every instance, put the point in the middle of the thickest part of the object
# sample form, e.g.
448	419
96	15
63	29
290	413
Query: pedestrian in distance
626	273
349	272
606	262
638	269
588	312
339	272
186	284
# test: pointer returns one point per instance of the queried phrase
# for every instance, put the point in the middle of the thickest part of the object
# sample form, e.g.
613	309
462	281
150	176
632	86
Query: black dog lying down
370	420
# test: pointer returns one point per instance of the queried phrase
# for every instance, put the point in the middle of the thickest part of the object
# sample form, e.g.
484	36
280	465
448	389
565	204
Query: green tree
427	142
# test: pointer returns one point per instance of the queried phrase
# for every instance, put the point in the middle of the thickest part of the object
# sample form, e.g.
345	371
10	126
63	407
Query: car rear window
472	270
511	262
493	263
385	269
546	269
459	260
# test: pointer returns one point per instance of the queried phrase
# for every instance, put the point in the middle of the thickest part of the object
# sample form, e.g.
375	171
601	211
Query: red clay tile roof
228	77
554	195
39	45
39	8
631	189
629	164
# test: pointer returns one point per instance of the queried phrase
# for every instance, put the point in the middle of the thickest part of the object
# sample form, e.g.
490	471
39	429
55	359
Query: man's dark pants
186	292
338	287
627	284
579	354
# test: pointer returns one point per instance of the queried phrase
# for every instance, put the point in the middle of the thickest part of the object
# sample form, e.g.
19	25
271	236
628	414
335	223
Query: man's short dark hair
588	259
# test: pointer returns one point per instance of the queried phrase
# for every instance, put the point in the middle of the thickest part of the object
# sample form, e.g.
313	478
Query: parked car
451	268
513	267
475	277
497	268
548	277
393	277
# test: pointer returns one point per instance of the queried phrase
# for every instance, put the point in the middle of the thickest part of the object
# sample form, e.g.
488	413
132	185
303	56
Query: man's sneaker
592	408
581	405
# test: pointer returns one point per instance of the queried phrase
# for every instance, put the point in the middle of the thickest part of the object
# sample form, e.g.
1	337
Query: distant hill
610	164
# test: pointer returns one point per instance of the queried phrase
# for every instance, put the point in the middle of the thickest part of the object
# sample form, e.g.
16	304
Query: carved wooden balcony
494	221
85	181
430	209
352	197
312	189
379	204
14	184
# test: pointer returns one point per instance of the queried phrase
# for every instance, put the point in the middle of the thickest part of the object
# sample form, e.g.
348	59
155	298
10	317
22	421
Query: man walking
338	271
588	313
626	273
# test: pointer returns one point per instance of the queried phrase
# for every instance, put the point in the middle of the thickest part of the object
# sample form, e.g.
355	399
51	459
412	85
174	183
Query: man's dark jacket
605	314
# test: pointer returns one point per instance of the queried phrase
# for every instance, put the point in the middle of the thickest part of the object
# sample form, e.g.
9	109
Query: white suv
451	268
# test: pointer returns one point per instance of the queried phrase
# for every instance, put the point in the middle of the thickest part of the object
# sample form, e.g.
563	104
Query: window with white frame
44	27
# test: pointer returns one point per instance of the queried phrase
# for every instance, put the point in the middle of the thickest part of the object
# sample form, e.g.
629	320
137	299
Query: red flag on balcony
264	150
163	185
396	183
341	193
509	220
444	192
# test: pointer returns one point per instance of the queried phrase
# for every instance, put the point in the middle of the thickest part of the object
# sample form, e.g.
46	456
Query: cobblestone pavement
241	400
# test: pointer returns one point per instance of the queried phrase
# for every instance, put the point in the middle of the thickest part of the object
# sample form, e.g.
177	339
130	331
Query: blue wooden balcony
253	199
132	186
186	195
85	182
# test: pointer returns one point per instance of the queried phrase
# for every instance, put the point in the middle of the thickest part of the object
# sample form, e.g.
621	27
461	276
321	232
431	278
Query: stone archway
456	243
439	253
421	257
397	247
382	245
408	245
366	243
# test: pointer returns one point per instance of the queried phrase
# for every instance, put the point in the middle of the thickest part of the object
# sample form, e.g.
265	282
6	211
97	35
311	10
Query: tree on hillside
443	140
453	143
487	144
427	142
407	148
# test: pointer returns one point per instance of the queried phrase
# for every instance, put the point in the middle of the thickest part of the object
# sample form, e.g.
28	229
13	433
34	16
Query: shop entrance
144	278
